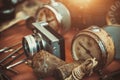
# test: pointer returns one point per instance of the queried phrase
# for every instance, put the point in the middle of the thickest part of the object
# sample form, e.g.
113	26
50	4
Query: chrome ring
29	45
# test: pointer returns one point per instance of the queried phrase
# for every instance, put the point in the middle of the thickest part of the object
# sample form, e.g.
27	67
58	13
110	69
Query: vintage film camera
44	38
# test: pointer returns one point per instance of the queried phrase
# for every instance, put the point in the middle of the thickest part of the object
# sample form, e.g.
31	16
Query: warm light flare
81	3
84	1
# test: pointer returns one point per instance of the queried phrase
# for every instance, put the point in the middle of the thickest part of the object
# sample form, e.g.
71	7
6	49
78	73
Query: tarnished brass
56	14
86	68
65	70
94	42
44	63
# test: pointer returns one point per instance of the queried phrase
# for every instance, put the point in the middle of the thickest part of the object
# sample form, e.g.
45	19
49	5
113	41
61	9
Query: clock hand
88	51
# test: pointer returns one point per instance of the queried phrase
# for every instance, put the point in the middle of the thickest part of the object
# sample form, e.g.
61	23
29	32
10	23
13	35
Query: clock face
47	15
85	47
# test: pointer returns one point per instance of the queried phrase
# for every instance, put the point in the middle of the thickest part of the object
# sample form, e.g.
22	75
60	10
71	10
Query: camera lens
32	44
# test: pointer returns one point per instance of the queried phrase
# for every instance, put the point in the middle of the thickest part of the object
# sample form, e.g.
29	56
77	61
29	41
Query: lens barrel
32	44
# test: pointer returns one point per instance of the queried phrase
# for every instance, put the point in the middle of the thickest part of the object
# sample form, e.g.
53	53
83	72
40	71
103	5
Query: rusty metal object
96	42
44	63
65	70
56	14
86	68
114	32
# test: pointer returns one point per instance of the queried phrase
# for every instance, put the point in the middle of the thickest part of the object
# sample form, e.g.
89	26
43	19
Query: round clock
93	42
57	15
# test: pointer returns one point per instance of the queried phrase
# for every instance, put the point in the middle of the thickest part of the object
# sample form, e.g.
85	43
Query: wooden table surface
16	33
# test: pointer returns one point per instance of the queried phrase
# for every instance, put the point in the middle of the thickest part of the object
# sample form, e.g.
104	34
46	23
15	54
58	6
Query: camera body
44	38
